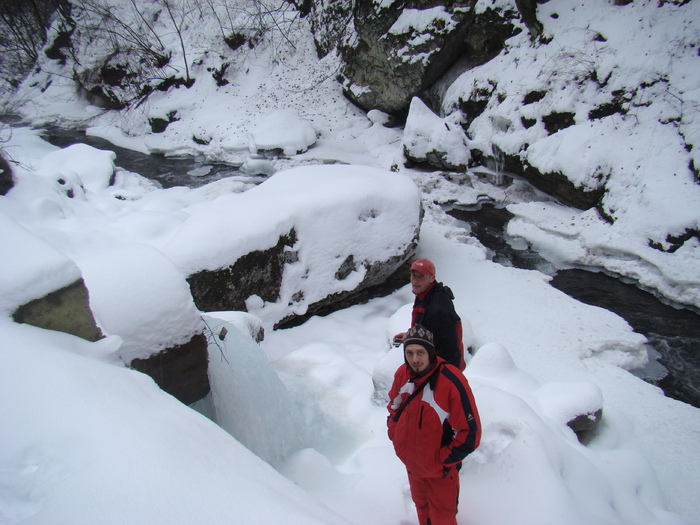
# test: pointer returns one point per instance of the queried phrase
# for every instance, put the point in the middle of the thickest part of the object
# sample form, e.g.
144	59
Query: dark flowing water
673	333
168	171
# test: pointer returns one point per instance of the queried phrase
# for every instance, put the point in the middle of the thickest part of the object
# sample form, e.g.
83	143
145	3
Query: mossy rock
65	310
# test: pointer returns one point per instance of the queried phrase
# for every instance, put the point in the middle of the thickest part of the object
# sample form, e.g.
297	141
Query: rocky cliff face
435	50
400	49
393	52
5	176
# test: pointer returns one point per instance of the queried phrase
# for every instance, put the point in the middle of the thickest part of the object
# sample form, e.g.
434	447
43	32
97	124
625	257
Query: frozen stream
674	334
167	171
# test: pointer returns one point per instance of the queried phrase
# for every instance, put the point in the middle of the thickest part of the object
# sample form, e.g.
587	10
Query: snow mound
100	432
342	213
31	268
284	130
139	295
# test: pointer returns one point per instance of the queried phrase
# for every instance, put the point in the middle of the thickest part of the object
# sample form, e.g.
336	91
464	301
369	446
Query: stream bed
673	333
167	171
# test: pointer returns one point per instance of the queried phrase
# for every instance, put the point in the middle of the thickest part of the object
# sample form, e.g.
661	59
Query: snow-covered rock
283	130
31	268
140	296
439	142
323	233
41	286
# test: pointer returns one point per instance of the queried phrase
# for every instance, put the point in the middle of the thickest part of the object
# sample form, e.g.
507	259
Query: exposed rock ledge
65	310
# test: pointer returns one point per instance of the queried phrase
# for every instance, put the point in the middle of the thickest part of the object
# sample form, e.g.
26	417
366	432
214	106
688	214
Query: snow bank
631	61
139	295
525	455
91	442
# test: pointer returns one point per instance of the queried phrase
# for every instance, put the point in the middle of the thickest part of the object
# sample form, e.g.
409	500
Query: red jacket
422	436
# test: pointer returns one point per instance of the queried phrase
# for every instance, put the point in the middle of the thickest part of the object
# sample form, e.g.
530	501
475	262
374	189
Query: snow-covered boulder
305	238
40	286
440	142
78	170
282	131
140	296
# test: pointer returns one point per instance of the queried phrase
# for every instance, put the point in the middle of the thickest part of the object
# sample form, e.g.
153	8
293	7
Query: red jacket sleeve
395	399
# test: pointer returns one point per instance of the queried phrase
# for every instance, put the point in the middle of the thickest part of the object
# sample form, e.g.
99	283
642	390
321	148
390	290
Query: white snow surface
425	132
335	212
646	57
86	440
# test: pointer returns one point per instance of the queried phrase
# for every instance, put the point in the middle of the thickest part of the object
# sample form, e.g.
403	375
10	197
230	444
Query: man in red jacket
434	424
433	308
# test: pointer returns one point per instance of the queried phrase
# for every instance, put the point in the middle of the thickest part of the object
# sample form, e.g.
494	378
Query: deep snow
86	440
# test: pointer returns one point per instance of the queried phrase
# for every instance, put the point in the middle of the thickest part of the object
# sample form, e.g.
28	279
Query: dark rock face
6	180
261	272
65	310
557	121
330	20
673	242
475	105
528	13
181	370
257	273
121	79
388	64
584	425
559	186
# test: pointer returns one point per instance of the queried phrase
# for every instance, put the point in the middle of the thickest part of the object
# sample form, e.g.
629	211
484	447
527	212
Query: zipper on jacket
420	420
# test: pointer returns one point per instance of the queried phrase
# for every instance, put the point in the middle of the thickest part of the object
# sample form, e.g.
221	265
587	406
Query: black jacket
437	313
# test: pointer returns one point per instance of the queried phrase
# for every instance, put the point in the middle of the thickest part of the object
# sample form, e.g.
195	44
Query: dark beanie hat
420	335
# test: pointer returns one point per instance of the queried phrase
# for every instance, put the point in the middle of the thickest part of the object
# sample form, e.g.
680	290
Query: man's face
420	283
417	358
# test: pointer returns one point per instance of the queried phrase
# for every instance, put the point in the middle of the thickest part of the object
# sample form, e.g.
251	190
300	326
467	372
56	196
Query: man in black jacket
434	309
